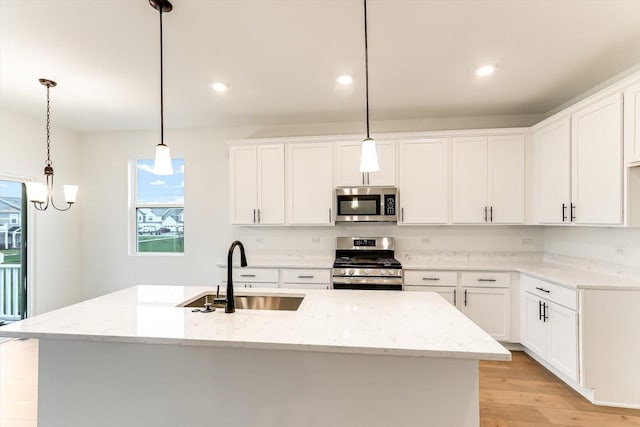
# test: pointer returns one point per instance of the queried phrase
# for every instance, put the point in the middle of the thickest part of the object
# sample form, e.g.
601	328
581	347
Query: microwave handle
330	216
401	214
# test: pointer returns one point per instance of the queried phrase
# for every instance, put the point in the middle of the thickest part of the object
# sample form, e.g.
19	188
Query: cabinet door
424	181
348	170
387	159
243	184
310	183
534	330
597	162
488	308
553	156
563	339
469	180
632	124
506	179
271	184
449	293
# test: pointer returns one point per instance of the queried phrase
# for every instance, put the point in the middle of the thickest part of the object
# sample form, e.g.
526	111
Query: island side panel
103	384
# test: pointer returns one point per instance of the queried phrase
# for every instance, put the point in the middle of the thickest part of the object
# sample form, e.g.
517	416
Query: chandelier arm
50	195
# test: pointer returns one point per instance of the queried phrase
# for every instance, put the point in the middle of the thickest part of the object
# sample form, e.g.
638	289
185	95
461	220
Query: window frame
133	213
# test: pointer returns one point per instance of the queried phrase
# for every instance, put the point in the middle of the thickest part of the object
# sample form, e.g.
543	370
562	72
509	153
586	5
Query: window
159	209
13	254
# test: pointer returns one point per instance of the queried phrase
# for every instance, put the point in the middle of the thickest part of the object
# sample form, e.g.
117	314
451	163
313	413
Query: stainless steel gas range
366	263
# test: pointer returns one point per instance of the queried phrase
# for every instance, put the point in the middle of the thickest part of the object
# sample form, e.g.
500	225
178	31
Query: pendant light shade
41	194
162	161
369	154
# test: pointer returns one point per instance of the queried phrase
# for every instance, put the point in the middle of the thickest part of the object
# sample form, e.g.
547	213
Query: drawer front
550	291
485	279
306	286
250	275
296	275
430	278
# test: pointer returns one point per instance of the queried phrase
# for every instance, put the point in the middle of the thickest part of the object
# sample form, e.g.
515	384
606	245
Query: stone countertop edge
357	322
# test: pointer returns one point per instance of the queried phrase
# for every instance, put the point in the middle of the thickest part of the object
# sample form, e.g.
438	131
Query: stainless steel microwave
366	204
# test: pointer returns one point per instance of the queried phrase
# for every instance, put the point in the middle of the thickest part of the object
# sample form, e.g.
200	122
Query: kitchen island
343	358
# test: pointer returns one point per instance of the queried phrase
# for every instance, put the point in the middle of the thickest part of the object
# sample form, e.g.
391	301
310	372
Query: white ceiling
281	58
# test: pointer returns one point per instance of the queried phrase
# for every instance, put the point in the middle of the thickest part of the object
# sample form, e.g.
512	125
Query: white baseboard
587	393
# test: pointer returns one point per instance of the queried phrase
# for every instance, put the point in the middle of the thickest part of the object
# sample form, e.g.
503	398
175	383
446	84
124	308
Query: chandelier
41	194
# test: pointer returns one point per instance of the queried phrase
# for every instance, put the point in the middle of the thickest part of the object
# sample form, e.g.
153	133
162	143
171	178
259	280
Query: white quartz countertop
560	274
418	324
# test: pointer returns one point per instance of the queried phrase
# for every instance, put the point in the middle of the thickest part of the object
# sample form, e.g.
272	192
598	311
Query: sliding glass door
13	251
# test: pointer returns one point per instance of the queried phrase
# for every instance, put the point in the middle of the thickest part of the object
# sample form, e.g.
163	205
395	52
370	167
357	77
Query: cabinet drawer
430	278
250	275
305	275
550	291
306	286
485	279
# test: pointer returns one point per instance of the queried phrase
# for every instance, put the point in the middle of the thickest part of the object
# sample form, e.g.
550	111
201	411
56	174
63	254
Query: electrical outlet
621	251
259	240
426	240
527	241
315	240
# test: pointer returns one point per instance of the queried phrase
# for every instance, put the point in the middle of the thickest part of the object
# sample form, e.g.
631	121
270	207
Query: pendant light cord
366	65
161	85
48	129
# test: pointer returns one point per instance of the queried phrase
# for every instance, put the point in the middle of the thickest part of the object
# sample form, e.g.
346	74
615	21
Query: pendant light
162	163
41	195
368	155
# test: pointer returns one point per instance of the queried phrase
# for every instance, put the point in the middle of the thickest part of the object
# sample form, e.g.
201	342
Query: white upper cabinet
553	159
488	179
632	124
271	184
506	179
470	180
244	184
424	181
348	168
596	162
257	184
310	183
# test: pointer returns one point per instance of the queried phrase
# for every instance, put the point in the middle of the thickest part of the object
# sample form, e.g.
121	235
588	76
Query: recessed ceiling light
220	87
485	70
345	79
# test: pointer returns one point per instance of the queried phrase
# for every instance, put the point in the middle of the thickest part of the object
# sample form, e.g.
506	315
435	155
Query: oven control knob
343	271
367	272
383	272
351	272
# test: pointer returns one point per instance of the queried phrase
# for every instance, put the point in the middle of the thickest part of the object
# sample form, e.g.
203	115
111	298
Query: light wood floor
512	394
523	393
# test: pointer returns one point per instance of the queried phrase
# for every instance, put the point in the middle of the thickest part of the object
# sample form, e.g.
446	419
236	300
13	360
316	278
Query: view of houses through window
159	208
12	251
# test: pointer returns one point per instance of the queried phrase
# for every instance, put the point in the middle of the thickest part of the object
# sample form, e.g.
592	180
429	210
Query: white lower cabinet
550	329
447	292
486	302
489	309
248	277
298	278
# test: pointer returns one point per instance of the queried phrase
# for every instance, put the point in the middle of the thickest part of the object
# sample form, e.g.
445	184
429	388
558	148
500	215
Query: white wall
108	266
56	235
605	244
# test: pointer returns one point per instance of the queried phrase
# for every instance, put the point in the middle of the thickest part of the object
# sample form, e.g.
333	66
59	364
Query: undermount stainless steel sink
251	302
